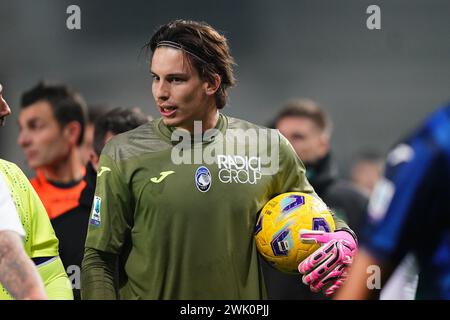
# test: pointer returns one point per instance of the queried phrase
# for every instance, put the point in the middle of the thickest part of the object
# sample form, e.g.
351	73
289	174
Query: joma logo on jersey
103	170
162	176
239	169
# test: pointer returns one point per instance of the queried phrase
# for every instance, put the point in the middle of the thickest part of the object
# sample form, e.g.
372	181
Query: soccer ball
277	231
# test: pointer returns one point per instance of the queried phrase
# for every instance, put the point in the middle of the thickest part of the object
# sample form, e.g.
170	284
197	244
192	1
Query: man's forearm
97	275
18	274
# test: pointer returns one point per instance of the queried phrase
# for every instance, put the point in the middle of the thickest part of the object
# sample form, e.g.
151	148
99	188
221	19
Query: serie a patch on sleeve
95	215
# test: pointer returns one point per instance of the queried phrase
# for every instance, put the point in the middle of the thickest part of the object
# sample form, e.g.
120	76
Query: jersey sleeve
98	275
57	284
399	209
9	217
110	219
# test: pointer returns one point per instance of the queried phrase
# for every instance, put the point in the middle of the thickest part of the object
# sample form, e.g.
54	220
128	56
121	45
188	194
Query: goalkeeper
40	241
181	226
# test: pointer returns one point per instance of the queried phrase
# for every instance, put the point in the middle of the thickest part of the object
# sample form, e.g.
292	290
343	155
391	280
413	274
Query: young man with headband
177	199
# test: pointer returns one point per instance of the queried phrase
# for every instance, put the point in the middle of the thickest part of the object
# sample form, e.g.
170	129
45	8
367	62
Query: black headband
176	45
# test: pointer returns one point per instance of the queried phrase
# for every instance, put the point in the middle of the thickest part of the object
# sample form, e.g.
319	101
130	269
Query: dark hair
306	108
95	112
205	49
67	106
116	121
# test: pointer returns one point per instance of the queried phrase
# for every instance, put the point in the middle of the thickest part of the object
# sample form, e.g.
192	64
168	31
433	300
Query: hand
327	266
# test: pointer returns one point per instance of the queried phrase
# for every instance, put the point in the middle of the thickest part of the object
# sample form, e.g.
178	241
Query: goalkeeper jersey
181	216
40	239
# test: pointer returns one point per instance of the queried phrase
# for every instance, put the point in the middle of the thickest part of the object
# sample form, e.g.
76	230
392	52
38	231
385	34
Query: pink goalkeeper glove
326	267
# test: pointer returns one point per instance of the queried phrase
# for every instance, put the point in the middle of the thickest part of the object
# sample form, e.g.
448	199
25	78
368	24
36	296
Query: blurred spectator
408	214
113	122
366	169
308	128
52	122
87	148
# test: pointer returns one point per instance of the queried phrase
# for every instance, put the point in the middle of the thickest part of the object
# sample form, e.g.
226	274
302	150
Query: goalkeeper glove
327	266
